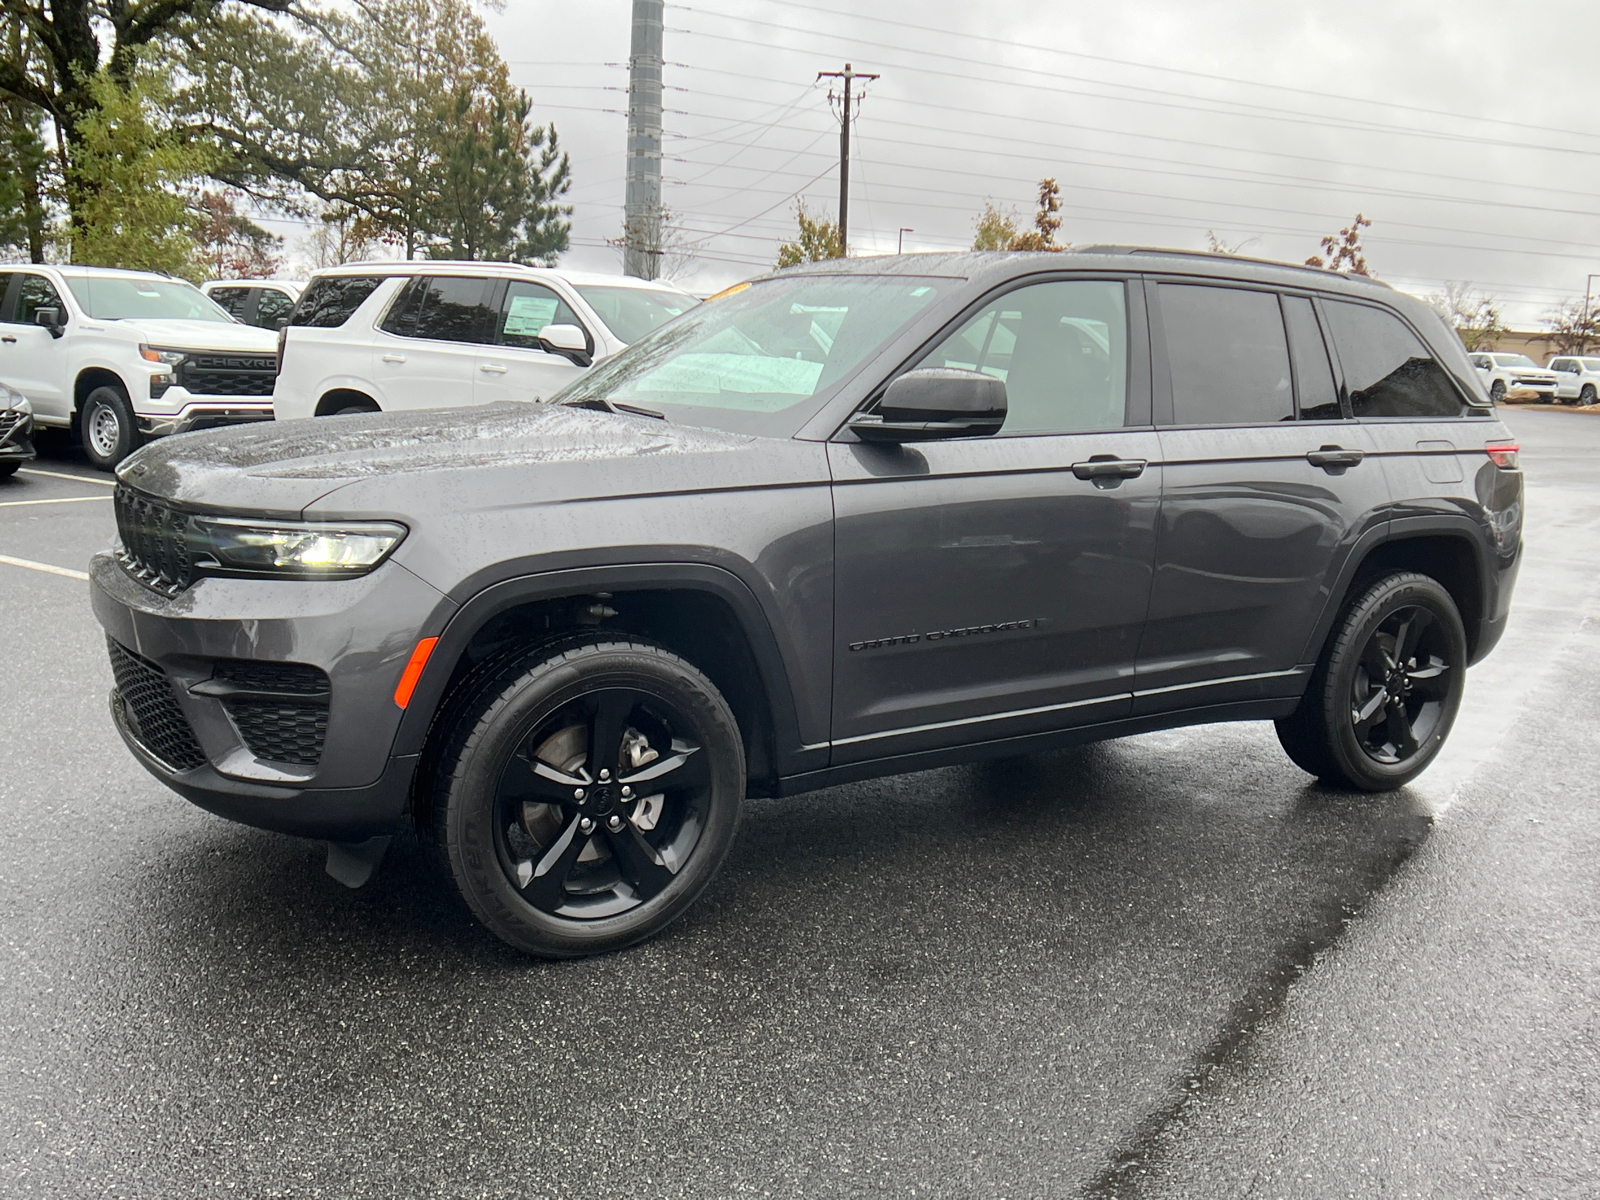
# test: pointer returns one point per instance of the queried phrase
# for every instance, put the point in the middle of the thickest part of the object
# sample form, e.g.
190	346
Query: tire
8	467
1373	719
350	410
1587	395
107	428
1497	393
516	784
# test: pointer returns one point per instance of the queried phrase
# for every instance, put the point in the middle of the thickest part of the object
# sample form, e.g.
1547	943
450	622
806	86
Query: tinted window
1230	363
328	303
271	307
35	293
528	308
1387	369
401	318
452	309
232	300
1319	399
1062	350
5	286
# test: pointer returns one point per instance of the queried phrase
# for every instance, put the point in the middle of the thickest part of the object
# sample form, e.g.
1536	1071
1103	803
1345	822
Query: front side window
527	309
1228	354
764	357
37	292
272	306
442	308
232	300
120	298
331	301
1061	348
1483	362
632	312
1387	369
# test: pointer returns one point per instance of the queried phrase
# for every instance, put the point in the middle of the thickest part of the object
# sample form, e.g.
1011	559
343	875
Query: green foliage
1574	327
128	180
26	176
229	245
997	230
819	241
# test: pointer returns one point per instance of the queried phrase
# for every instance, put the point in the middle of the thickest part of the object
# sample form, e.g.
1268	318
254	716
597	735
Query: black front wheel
587	793
1385	694
1497	393
1586	397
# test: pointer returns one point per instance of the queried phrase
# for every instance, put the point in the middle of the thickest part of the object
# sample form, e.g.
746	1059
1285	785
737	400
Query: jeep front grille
151	710
155	542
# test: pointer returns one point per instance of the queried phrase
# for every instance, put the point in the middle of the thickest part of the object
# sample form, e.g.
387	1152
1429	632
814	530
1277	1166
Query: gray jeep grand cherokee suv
844	521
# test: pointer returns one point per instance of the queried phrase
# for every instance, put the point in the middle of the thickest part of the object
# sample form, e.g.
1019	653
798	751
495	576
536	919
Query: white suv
383	336
1578	378
127	355
1503	373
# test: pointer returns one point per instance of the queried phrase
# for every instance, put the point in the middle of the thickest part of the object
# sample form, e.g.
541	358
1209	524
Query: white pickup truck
1506	373
128	355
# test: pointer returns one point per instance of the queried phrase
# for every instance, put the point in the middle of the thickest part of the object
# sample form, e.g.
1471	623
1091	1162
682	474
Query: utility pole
849	75
641	230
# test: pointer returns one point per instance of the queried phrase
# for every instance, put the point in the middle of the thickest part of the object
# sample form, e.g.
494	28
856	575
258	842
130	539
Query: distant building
1538	345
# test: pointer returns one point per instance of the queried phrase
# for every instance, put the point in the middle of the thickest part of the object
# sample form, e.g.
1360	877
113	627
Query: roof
112	272
445	266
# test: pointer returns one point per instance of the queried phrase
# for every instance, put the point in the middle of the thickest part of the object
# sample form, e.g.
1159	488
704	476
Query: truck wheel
1498	392
1385	693
9	467
586	793
107	428
1587	395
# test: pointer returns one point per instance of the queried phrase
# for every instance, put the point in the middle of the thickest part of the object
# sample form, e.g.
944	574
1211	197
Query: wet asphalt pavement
1167	966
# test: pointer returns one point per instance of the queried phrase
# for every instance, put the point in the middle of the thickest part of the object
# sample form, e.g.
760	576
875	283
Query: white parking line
57	500
45	567
63	475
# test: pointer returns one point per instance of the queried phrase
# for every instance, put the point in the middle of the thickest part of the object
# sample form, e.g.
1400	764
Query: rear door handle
1106	466
492	368
1334	457
394	358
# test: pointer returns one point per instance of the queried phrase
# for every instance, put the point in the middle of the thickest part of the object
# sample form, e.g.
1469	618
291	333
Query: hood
199	335
273	467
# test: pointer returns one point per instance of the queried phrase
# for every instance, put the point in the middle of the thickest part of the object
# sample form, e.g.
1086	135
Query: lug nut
585	825
577	794
605	774
615	824
626	791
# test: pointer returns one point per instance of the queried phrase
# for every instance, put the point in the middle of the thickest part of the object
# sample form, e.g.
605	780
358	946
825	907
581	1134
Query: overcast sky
1458	128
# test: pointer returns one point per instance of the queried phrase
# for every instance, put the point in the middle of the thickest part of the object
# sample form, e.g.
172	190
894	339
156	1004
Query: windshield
632	312
765	358
1514	360
117	298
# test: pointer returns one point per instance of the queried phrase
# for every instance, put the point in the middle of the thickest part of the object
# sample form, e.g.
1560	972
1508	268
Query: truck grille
280	709
155	542
151	710
228	374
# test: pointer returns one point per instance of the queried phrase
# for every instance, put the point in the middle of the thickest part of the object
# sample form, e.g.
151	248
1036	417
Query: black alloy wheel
1385	693
1497	393
1586	397
595	789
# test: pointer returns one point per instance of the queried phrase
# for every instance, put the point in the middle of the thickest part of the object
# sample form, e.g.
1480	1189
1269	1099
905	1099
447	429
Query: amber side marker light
413	671
1503	454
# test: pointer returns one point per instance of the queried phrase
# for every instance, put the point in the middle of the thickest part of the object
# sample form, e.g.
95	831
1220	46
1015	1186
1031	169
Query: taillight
1503	454
283	338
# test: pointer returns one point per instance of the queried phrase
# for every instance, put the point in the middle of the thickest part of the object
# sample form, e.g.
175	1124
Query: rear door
1267	485
986	588
512	366
428	343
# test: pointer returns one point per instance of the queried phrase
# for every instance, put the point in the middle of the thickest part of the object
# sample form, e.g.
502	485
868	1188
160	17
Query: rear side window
445	308
1313	376
1228	354
329	302
271	307
231	299
1387	369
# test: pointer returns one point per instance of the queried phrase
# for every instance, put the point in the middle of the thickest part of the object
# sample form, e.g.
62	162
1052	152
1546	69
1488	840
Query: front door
428	345
513	367
985	587
1266	487
35	362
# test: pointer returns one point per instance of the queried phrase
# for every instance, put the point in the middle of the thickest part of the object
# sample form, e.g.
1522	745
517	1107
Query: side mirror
566	340
934	403
281	323
51	318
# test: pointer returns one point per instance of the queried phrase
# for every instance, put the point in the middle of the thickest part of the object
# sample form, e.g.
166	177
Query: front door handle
9	338
492	368
394	358
1334	458
1109	467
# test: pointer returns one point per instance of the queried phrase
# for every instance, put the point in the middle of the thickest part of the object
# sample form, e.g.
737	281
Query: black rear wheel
1385	694
587	794
1587	395
1498	392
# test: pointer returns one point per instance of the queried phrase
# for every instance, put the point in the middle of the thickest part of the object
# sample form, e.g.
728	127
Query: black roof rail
1209	256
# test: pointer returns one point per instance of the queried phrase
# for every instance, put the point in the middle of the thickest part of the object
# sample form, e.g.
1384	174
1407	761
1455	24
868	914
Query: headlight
161	354
295	551
14	400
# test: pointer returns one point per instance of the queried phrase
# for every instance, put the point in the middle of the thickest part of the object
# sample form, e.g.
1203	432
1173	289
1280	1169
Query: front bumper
205	412
16	435
358	632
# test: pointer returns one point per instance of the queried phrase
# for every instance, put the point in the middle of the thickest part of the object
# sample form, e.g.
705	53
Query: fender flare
790	755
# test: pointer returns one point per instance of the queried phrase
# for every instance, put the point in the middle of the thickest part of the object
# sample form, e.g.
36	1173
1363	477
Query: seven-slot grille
151	710
155	542
228	374
279	709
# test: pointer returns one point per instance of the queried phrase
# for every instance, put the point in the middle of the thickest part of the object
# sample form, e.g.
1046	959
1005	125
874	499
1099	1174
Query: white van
371	337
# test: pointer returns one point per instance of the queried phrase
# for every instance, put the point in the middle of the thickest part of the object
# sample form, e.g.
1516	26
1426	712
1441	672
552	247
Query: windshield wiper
619	406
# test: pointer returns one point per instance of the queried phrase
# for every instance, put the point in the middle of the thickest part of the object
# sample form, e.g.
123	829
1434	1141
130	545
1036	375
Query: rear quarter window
328	303
1387	369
